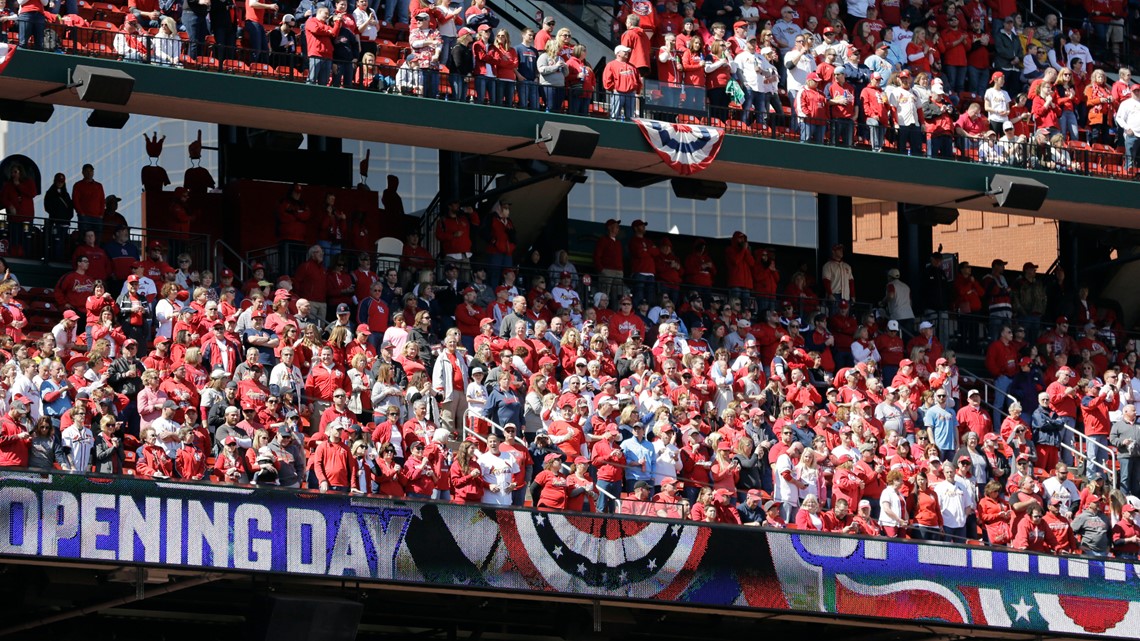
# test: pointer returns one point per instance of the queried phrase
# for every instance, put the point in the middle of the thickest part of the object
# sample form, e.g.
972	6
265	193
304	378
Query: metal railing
222	252
662	101
54	241
469	420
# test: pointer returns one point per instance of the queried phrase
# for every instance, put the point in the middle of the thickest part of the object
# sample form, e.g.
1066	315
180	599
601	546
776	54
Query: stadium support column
835	225
1068	242
454	182
324	143
916	243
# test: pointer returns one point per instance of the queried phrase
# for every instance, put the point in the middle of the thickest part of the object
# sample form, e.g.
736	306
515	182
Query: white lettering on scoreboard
224	533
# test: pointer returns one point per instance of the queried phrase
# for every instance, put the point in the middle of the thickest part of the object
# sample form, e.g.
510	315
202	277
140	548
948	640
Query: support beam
916	242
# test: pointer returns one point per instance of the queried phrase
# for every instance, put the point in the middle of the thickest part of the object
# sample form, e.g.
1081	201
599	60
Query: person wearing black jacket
125	377
194	14
216	413
60	210
935	292
460	64
283	43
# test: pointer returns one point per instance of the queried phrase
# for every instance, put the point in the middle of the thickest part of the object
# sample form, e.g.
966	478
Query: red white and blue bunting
687	149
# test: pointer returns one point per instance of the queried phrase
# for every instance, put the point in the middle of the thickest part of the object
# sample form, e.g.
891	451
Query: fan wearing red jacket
153	461
638	42
333	463
191	461
623	81
467	482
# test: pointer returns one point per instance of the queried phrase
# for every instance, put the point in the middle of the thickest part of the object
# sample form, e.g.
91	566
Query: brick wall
977	236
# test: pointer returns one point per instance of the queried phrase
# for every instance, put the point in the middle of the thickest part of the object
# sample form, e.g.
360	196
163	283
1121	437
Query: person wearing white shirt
498	472
892	507
858	8
565	294
800	64
1128	119
1075	50
80	441
905	104
166	429
748	66
1058	486
956	497
788	485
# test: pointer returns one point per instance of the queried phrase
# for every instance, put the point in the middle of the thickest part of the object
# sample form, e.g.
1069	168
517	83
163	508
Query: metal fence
50	240
392	71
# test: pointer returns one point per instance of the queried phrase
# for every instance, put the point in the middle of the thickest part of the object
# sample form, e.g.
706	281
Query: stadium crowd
945	79
646	383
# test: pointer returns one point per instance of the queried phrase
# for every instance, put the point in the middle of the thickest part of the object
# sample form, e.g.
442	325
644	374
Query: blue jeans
1069	125
505	92
605	503
877	132
1130	151
458	86
397	9
643	289
910	140
1002	384
1098	454
955	77
484	89
1130	475
746	107
320	70
623	106
1068	438
842	131
528	95
196	31
763	102
977	80
255	33
579	103
497	263
942	146
430	82
553	97
812	133
31	25
93	223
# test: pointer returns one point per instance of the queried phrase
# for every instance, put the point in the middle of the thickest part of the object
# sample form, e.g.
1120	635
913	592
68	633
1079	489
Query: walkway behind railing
662	101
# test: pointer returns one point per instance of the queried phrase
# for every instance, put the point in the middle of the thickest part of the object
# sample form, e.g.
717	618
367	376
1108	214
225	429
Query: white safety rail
467	420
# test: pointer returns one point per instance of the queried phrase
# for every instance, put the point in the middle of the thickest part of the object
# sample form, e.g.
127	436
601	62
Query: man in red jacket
609	460
1001	362
638	42
333	463
811	108
642	255
841	99
501	249
310	282
453	231
319	33
623	81
1064	398
89	199
72	290
608	261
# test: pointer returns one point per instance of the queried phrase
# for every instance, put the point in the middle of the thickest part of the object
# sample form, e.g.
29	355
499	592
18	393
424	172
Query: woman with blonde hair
552	70
506	63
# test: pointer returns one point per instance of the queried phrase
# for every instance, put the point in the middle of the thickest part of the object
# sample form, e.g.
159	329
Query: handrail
467	430
44	239
660	101
1082	451
242	263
